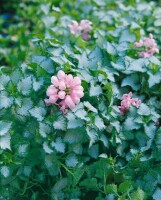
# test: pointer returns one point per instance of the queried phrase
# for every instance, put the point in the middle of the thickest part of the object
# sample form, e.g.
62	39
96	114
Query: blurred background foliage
17	25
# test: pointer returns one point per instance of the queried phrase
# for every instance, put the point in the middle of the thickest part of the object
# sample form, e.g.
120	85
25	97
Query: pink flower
81	29
149	45
127	100
65	91
75	28
85	25
86	36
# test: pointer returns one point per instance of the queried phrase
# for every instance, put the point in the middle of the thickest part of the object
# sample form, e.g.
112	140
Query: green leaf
85	75
61	60
60	123
73	136
5	141
116	124
132	80
45	63
99	123
95	57
111	189
4	127
154	60
25	105
71	160
37	84
45	8
89	183
15	76
77	148
22	150
56	9
138	65
44	129
46	148
130	124
27	170
95	90
158	137
150	130
135	26
58	145
82	114
138	195
73	122
93	151
5	171
83	61
157	194
104	140
25	85
125	187
5	100
143	110
118	66
48	20
154	79
38	113
110	48
52	166
92	135
90	107
157	22
127	36
60	185
4	80
110	197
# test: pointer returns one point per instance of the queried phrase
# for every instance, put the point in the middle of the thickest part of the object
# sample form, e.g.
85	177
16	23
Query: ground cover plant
80	117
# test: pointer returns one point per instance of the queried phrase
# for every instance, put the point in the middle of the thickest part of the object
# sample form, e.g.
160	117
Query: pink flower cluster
127	100
65	91
81	29
149	45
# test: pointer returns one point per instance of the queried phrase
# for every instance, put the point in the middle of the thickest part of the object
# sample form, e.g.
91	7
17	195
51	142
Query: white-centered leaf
25	85
4	127
71	160
143	110
60	123
95	90
5	141
90	107
5	171
58	145
38	113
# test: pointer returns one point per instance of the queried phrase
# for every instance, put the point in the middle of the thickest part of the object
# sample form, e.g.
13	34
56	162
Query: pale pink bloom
75	28
65	91
85	25
81	29
54	81
62	85
149	45
69	102
51	90
127	100
61	75
61	94
86	36
139	44
144	54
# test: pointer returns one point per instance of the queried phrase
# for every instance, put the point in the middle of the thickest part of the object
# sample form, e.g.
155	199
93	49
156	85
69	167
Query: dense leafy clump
93	151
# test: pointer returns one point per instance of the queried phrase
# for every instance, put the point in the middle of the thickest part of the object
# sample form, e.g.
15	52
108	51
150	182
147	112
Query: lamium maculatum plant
79	117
